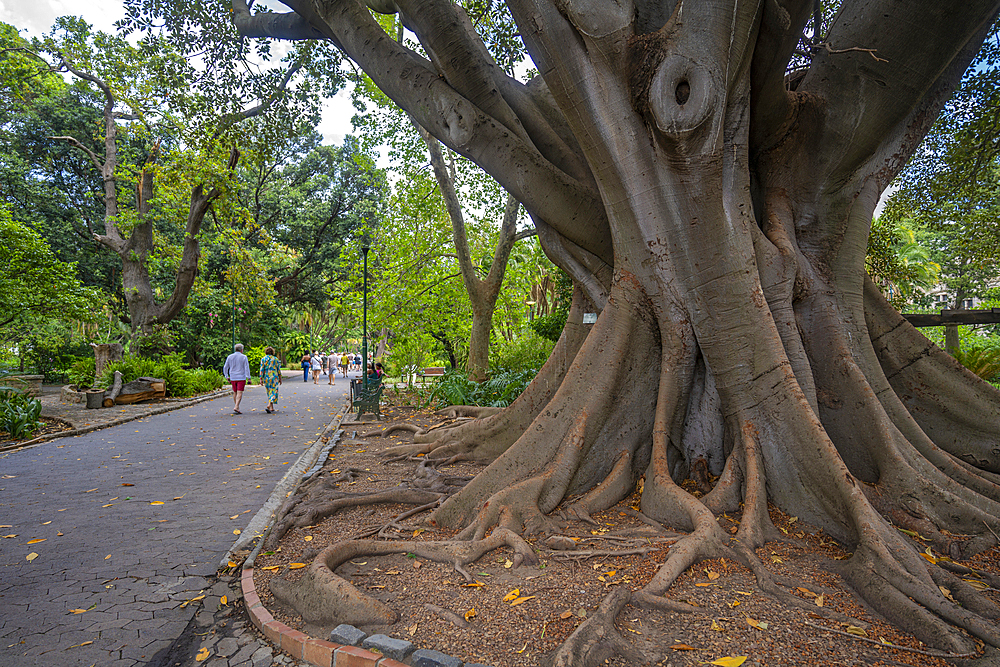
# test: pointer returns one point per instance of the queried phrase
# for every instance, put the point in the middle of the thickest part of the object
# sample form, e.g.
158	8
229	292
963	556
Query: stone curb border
300	645
124	420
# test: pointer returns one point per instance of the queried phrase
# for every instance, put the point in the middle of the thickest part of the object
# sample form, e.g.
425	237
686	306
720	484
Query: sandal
237	412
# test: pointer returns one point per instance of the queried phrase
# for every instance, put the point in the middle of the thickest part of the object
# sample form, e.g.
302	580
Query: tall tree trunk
483	292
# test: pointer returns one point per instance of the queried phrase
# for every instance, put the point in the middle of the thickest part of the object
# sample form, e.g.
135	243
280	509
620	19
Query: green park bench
367	400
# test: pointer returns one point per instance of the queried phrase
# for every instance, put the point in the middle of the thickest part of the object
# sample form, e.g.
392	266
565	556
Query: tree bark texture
715	210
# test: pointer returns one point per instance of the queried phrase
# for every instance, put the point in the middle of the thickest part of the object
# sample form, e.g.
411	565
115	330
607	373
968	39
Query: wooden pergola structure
950	319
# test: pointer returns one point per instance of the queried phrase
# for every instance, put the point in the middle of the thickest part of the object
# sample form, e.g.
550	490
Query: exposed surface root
474	411
596	639
527	502
408	428
323	598
307	510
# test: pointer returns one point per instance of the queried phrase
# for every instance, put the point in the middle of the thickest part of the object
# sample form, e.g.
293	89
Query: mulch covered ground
508	616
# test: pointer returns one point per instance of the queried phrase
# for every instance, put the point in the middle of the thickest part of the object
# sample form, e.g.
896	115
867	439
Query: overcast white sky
35	17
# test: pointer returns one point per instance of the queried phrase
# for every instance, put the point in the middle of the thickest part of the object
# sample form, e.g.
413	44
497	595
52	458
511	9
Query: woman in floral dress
270	377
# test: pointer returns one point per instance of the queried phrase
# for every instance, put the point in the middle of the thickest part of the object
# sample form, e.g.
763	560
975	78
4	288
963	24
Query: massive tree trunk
715	210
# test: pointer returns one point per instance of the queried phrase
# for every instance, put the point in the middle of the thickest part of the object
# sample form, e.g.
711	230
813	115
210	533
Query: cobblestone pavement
129	525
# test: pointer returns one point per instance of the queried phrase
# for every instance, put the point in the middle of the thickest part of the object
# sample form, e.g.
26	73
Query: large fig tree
712	203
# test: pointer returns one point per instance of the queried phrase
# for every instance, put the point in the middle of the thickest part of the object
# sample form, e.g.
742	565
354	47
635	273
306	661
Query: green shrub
19	413
984	362
254	355
81	373
499	391
180	381
529	352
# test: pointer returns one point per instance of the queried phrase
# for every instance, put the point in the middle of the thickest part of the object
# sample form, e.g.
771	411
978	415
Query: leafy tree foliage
34	284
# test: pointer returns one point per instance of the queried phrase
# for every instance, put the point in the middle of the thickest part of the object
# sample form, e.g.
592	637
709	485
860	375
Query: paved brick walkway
135	519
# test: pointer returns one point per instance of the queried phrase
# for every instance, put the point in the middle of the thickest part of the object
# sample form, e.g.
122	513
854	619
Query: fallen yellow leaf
855	630
469	615
566	614
512	595
819	600
730	661
272	568
712	576
77	611
975	583
36	541
296	566
806	592
157	502
477	584
30	557
82	644
308	538
232	564
508	564
224	600
704	583
522	600
683	647
236	532
107	557
716	626
46	523
754	623
202	654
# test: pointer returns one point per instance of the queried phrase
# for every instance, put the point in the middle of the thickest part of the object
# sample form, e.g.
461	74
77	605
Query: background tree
712	197
950	191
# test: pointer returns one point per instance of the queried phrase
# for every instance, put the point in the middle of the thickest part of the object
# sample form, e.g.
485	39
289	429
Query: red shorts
238	385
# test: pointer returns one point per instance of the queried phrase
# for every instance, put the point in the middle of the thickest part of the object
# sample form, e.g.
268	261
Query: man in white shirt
237	371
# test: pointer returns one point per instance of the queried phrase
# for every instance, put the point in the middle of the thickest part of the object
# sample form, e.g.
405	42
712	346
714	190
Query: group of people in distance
318	362
237	371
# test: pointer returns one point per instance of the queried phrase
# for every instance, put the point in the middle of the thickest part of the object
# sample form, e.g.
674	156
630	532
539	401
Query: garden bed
439	609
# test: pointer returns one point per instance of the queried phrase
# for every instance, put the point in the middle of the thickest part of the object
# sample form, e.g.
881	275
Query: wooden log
142	389
116	389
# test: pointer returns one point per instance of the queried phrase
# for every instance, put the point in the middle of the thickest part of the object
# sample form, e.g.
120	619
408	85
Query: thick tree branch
289	26
187	271
878	111
75	143
409	80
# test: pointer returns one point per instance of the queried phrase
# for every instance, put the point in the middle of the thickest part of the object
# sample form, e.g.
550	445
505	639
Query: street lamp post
364	326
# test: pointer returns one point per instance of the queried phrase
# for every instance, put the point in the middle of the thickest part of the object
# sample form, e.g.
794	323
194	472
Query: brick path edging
301	646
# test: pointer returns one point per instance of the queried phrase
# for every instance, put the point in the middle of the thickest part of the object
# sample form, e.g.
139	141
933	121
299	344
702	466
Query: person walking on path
237	371
317	367
306	365
344	363
270	377
331	368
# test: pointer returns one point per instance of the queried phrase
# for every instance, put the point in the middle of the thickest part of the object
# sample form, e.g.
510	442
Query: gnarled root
474	411
529	500
323	598
596	639
309	510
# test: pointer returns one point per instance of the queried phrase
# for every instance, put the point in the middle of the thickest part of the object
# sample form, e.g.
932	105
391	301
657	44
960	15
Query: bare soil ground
510	616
